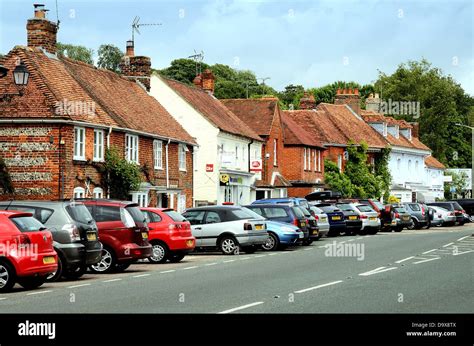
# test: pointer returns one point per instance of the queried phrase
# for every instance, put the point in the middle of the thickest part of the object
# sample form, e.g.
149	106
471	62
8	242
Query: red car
123	233
170	235
27	255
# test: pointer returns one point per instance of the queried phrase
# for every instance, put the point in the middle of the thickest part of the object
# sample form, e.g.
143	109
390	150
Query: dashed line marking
3	298
82	285
168	271
240	308
112	280
426	260
462	253
141	275
319	286
245	258
405	259
448	244
463	237
309	249
360	238
210	264
40	292
272	254
322	246
188	268
258	256
377	271
229	261
351	239
429	251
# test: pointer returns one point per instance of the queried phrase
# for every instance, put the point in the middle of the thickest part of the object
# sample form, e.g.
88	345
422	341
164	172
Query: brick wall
276	132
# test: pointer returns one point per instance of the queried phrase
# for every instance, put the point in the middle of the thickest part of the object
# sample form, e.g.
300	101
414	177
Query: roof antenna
57	15
198	58
136	25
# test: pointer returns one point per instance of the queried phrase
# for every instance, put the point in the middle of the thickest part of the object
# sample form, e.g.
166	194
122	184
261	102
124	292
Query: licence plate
144	235
91	236
394	222
372	218
323	219
352	217
406	218
49	260
336	218
315	232
303	224
258	227
301	235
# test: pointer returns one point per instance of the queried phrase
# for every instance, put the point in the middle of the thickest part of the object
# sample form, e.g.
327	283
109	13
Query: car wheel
428	225
373	231
307	242
413	225
32	282
176	257
398	229
75	273
53	277
107	262
250	249
159	253
228	245
121	267
333	233
7	276
272	243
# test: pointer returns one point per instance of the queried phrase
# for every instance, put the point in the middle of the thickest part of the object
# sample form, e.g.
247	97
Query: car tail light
296	223
316	217
23	241
247	226
397	215
73	231
422	210
363	216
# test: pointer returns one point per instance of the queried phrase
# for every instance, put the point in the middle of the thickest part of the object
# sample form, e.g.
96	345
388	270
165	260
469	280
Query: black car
74	231
353	221
313	226
455	207
337	222
284	213
467	204
401	218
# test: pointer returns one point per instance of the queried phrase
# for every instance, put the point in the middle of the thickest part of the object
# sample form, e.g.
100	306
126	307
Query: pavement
418	271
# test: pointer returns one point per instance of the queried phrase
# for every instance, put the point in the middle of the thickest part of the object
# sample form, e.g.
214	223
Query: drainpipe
61	168
108	137
167	167
251	142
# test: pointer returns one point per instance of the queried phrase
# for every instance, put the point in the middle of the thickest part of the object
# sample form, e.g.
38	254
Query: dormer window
385	129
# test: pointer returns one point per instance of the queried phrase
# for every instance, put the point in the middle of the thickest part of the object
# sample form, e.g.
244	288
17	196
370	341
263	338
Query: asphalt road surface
419	271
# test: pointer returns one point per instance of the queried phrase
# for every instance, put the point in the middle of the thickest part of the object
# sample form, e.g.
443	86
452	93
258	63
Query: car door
212	228
196	219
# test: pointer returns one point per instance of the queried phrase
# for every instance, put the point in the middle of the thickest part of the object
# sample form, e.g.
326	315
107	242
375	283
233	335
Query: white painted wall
434	178
404	167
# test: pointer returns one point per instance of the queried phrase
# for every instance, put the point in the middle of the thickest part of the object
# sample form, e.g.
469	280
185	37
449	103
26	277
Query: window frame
80	190
130	150
182	160
157	144
79	146
98	146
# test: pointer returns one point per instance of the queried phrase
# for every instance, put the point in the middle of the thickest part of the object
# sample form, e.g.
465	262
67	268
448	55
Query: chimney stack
307	101
415	129
137	68
205	81
373	103
348	97
41	33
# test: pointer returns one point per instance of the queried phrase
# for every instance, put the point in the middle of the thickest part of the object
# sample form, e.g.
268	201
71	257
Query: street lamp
472	158
20	78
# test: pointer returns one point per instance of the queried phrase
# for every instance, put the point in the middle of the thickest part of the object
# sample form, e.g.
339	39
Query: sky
312	43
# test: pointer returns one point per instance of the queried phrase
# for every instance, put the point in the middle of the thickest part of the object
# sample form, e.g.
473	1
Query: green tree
182	70
459	182
109	57
75	52
336	180
382	172
291	95
443	103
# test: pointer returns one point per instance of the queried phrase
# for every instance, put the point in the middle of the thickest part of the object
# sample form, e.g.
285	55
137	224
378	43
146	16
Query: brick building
55	130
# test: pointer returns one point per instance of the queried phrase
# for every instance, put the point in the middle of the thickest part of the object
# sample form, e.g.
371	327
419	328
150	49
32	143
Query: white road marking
351	239
141	275
463	237
462	253
188	268
245	258
426	260
448	244
168	271
228	261
112	280
76	286
429	251
273	254
360	238
210	264
240	308
3	298
405	259
377	271
322	246
35	293
258	256
309	249
319	286
341	242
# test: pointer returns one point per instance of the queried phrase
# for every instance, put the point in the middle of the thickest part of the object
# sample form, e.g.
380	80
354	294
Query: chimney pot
41	33
136	68
130	49
356	91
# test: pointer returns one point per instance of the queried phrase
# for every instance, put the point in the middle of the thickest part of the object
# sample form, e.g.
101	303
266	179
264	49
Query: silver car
370	218
322	220
446	216
229	228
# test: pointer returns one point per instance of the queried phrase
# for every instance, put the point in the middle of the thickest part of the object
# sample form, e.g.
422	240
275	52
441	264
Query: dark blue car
337	223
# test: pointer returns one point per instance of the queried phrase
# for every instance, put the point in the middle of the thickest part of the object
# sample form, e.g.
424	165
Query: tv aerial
136	26
198	58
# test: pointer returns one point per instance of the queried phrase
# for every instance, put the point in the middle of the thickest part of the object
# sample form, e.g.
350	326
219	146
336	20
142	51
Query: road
419	271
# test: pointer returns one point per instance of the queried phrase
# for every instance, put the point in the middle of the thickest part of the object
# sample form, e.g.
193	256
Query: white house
228	160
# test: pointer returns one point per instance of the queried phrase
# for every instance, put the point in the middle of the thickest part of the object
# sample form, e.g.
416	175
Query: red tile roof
295	134
212	109
258	114
432	162
118	101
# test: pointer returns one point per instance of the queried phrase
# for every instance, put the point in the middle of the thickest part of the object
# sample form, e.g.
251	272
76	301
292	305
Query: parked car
376	205
467	204
454	207
123	232
74	231
313	226
419	215
442	217
352	217
369	217
284	200
321	220
281	235
283	213
400	218
169	234
337	222
229	228
27	255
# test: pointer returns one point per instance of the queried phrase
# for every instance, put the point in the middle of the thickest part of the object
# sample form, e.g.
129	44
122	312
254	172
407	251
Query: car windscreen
305	212
400	209
175	216
345	207
27	223
78	212
317	210
136	214
456	206
298	212
329	208
365	208
241	214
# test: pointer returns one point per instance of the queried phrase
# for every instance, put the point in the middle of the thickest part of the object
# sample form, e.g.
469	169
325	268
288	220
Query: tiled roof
430	161
211	108
258	114
118	101
371	116
296	134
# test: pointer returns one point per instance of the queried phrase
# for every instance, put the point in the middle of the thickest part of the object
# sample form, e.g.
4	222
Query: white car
229	228
446	216
370	218
322	220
